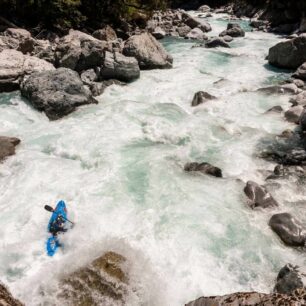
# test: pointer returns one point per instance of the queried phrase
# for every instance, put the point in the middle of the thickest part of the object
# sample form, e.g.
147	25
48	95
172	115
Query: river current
119	167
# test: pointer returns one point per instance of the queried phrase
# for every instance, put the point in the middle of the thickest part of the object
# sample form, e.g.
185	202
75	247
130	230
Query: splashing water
119	166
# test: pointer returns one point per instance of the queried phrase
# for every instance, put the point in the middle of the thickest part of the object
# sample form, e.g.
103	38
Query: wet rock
196	33
228	38
194	23
204	9
259	196
7	147
204	168
6	298
80	51
201	97
275	109
183	30
159	33
120	67
14	66
289	229
215	42
299	99
255	23
97	88
289	54
57	92
289	279
301	72
148	51
252	299
233	30
299	83
103	282
279	89
89	76
294	113
294	157
107	33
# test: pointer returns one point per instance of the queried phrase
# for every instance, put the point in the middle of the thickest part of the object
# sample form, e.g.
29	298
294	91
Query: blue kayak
52	243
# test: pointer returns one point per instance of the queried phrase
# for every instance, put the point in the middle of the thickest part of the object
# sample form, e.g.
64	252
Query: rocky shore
57	76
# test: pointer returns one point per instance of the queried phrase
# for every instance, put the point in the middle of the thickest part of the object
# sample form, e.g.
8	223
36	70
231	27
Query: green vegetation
61	14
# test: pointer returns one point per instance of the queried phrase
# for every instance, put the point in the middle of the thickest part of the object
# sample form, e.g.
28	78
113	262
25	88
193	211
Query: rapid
119	167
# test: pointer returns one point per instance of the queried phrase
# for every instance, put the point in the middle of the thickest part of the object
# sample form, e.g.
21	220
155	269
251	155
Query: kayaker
57	226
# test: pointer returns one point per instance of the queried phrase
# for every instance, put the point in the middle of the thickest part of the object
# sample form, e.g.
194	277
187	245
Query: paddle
50	209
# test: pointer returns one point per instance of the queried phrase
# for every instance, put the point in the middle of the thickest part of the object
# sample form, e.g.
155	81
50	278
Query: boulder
255	23
279	89
259	196
228	38
204	9
57	92
89	76
299	83
7	146
44	50
299	99
294	157
204	168
301	72
149	53
275	109
294	113
6	298
201	97
289	229
215	42
195	23
80	51
183	30
289	54
120	67
103	282
289	279
197	34
253	299
159	33
20	34
233	30
14	66
107	33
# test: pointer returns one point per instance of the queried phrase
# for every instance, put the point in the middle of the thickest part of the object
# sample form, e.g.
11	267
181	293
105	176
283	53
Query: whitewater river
119	167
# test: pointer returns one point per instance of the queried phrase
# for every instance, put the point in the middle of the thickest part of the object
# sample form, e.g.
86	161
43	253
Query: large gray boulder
149	53
289	279
107	33
14	66
204	168
7	146
183	30
233	30
290	230
259	196
294	113
215	42
201	97
289	54
195	23
80	51
196	34
57	92
120	67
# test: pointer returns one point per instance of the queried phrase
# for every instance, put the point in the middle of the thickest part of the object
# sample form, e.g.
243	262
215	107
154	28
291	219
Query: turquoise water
119	166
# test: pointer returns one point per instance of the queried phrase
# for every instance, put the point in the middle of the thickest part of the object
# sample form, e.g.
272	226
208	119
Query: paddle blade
49	208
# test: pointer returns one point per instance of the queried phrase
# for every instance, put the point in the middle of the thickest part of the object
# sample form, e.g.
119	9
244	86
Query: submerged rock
103	282
120	67
289	229
289	54
233	30
216	42
148	51
201	97
204	168
7	146
259	196
14	66
6	298
57	93
289	279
